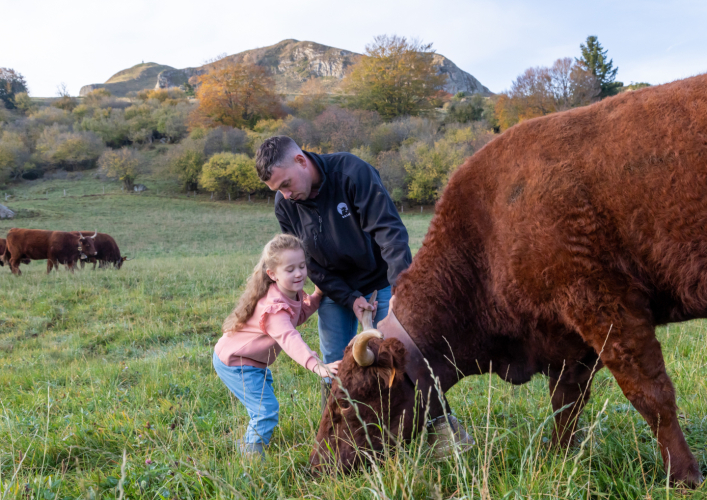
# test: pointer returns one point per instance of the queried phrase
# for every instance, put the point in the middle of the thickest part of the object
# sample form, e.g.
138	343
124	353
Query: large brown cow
57	247
555	249
107	251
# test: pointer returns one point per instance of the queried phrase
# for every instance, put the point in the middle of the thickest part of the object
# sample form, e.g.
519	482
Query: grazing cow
107	251
58	247
556	249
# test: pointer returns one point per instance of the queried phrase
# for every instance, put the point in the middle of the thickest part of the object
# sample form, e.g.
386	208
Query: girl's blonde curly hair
257	285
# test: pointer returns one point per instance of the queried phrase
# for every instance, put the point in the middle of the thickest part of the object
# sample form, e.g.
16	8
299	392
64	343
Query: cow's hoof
692	478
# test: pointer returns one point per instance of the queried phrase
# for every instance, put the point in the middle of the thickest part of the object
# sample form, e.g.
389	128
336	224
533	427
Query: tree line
391	111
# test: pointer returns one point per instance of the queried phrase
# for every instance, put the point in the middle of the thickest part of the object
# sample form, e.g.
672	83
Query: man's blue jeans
253	387
338	325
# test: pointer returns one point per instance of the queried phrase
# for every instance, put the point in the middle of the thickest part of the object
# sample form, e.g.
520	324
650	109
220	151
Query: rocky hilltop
291	63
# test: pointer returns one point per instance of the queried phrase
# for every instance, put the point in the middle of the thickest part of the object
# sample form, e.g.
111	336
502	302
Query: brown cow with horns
57	247
557	249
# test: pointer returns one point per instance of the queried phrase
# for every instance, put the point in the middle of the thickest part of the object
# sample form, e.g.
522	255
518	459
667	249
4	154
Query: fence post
64	192
420	208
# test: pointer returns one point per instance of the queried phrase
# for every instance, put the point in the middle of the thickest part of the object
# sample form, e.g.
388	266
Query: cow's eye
343	404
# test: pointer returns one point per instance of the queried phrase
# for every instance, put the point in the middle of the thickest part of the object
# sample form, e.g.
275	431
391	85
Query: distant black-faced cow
107	251
57	247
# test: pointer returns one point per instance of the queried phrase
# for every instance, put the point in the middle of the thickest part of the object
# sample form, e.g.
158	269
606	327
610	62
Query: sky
80	42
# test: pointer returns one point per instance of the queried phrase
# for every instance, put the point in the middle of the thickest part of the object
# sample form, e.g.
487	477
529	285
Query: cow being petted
57	247
556	249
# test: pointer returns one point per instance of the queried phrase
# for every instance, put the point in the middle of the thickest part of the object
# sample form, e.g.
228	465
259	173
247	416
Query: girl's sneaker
251	450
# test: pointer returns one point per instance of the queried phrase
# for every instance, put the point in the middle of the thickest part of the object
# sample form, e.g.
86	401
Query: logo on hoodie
343	210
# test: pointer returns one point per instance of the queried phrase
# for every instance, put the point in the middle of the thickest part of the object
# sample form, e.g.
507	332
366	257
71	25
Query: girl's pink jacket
270	330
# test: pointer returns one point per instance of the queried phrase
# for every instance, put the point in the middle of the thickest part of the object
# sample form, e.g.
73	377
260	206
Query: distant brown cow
5	255
555	249
57	247
107	252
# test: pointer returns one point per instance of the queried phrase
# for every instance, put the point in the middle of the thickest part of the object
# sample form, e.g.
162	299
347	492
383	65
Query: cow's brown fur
107	251
5	255
57	247
557	249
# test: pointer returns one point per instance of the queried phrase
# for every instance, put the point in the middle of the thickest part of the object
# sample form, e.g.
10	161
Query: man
355	240
356	244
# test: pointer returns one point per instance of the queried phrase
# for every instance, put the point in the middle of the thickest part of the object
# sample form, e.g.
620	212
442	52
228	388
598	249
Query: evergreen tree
11	83
595	59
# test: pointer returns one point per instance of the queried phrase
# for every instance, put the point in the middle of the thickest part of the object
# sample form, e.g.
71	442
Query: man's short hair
272	153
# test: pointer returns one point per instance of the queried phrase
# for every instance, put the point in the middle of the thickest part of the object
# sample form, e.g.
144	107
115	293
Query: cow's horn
95	233
361	352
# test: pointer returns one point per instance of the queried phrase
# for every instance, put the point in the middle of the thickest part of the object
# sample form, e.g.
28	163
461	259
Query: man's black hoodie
355	240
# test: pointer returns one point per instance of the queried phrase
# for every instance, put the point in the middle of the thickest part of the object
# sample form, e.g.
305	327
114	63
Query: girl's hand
327	370
318	291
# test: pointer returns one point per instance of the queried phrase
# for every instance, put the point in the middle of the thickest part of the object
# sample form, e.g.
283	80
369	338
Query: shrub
172	120
58	147
429	169
341	130
187	163
226	139
24	103
392	171
67	103
110	125
228	173
124	164
465	110
14	155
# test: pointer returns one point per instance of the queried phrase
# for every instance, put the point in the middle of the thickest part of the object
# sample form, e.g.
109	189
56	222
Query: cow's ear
390	362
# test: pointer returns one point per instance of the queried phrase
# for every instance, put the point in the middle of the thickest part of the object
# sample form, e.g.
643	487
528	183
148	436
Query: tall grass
107	389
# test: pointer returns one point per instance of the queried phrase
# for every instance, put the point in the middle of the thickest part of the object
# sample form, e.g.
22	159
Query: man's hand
361	304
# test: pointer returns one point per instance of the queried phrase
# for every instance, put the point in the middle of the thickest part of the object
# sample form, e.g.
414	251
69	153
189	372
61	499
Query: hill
139	77
291	62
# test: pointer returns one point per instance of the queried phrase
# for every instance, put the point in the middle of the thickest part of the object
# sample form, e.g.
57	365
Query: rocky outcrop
291	63
457	79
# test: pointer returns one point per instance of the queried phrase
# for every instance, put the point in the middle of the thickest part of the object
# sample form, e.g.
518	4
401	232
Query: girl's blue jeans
253	387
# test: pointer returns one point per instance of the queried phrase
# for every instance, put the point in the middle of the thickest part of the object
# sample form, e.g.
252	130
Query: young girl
262	324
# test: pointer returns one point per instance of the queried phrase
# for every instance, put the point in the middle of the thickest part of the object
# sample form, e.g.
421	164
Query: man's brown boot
446	433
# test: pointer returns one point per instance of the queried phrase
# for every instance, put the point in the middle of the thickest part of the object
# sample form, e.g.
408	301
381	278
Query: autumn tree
398	77
124	164
11	84
542	90
312	100
594	58
235	95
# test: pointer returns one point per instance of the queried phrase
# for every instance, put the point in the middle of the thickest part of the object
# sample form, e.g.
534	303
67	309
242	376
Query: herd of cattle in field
59	247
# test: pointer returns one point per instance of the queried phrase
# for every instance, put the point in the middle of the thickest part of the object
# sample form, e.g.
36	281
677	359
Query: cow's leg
621	329
50	263
575	393
15	266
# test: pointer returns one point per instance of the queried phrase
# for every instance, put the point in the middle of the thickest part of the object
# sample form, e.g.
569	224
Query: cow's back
30	243
616	187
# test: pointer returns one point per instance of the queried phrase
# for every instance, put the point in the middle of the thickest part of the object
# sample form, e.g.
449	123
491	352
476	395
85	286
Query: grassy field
106	380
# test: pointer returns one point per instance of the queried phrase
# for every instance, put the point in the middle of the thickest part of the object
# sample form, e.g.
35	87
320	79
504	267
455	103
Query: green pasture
107	389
